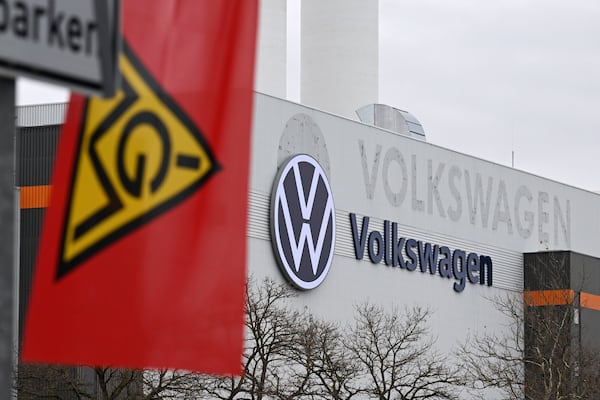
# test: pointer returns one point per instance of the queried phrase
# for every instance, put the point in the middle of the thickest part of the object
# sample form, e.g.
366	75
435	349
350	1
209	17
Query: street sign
73	43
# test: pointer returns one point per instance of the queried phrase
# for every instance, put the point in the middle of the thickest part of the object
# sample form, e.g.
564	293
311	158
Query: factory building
349	202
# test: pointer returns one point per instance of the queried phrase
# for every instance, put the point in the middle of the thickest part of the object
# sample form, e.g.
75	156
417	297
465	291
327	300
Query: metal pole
580	353
8	236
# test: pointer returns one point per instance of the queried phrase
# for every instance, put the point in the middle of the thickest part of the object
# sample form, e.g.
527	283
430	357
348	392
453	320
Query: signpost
8	237
72	43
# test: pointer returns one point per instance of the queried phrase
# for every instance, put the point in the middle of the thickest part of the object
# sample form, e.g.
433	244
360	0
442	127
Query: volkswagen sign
303	221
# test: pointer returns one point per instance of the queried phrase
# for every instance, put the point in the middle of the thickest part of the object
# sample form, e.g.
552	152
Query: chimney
339	55
271	48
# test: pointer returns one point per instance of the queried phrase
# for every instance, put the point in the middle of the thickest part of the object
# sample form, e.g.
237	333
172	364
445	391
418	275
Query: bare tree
396	355
61	382
538	356
496	360
68	383
335	369
291	354
294	377
115	384
50	382
168	384
270	332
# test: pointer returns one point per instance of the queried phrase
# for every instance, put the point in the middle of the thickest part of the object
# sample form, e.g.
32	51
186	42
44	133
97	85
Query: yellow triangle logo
138	156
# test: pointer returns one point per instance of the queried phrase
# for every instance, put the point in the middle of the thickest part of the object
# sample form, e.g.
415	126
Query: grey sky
487	77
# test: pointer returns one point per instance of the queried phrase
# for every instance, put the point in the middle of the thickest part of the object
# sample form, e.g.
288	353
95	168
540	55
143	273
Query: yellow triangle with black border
139	155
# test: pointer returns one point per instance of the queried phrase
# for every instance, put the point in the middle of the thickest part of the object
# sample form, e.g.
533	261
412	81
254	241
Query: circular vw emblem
303	221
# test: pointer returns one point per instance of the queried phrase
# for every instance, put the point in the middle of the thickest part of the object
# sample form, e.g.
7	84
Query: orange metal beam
548	297
591	301
560	297
35	196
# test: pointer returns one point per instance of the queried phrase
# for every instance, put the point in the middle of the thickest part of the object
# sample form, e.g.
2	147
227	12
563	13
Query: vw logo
303	221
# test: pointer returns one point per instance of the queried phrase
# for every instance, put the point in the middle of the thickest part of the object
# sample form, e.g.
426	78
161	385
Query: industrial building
349	202
398	204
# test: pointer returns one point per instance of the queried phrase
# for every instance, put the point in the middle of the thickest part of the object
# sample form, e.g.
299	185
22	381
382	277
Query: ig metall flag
136	267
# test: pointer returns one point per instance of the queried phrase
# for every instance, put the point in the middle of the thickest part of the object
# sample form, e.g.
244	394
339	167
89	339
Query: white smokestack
271	48
339	55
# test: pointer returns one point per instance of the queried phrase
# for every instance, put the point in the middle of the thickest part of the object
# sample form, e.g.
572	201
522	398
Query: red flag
143	252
